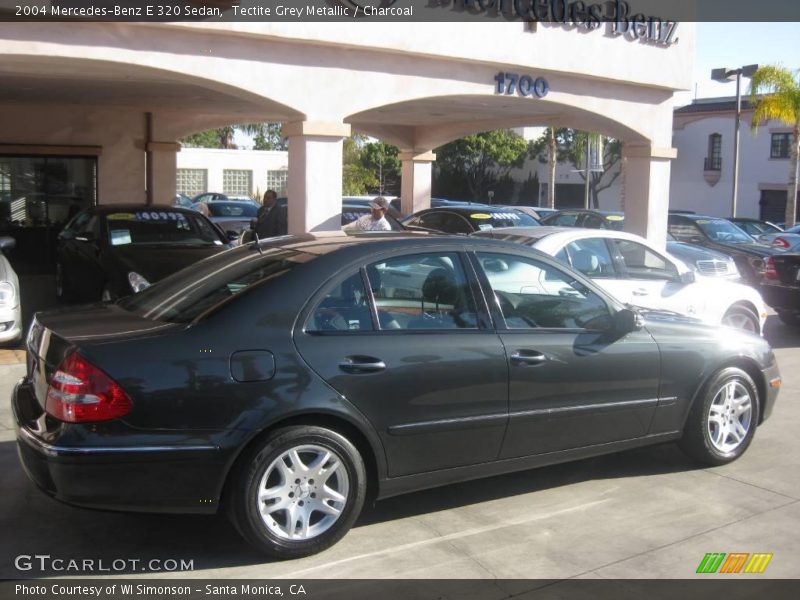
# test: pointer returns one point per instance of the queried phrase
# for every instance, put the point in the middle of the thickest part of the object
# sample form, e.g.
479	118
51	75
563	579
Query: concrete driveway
648	513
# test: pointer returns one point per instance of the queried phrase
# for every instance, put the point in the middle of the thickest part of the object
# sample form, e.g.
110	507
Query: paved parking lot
648	513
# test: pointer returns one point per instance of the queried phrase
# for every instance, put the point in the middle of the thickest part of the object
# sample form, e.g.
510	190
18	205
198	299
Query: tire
741	317
719	441
299	526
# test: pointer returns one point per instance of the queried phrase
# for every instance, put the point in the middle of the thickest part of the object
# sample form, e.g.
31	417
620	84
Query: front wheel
723	420
740	317
299	493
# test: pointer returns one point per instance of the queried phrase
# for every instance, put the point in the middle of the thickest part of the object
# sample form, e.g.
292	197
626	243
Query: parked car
218	197
467	218
231	217
635	272
293	378
590	219
10	304
722	235
704	261
182	201
755	227
781	286
110	251
537	212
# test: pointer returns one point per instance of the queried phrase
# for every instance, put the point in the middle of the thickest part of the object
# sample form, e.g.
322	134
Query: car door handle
361	364
528	357
641	292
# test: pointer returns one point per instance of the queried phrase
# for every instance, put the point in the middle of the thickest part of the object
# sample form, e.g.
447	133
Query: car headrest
585	262
439	287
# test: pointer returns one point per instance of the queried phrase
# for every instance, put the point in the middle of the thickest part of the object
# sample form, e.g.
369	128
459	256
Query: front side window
532	295
591	257
780	145
567	219
345	307
422	291
643	263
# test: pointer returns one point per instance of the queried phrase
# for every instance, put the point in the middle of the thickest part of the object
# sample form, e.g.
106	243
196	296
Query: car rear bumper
148	477
781	297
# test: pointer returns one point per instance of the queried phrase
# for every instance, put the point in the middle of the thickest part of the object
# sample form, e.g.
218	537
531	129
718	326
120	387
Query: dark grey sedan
288	382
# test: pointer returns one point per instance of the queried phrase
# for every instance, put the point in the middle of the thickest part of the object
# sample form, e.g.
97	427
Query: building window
276	180
780	146
192	181
713	161
237	182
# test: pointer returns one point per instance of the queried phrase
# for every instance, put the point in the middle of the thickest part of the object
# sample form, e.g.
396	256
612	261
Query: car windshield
205	286
720	230
232	209
148	227
494	220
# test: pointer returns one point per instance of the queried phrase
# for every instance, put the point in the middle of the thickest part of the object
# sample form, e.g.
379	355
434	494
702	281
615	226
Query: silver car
10	307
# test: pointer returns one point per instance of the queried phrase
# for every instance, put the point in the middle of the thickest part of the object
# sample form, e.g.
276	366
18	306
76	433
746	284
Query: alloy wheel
303	492
730	416
740	320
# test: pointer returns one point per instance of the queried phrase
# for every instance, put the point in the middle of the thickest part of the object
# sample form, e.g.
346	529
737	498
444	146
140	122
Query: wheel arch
749	306
374	460
746	364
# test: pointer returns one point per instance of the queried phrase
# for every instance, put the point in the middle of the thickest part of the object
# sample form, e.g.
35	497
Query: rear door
406	340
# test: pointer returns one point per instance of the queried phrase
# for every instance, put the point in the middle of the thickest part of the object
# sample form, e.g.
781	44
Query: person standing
271	218
375	220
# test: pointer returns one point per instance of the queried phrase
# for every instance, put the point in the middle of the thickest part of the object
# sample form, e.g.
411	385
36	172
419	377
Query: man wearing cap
375	220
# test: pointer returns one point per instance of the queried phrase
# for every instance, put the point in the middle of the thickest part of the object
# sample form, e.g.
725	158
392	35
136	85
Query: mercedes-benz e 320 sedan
284	381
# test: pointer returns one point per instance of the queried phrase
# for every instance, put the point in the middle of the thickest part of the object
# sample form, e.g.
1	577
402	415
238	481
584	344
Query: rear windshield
207	285
492	220
160	227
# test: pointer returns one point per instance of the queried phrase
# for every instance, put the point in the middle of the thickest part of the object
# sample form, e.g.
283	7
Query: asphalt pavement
646	513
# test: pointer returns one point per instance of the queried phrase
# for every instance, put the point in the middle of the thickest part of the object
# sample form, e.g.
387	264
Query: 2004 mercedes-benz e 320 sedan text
286	381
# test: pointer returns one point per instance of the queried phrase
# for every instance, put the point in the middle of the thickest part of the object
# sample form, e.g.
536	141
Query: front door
572	384
412	352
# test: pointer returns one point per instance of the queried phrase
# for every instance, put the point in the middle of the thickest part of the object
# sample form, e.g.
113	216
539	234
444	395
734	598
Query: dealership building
92	112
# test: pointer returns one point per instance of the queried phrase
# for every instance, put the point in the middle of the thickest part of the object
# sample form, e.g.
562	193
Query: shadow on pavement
33	523
780	335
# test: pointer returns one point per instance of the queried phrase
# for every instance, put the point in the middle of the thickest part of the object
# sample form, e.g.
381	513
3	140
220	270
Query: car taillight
770	272
79	392
780	242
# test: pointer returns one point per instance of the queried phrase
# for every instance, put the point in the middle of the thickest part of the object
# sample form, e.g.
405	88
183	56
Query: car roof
468	208
555	235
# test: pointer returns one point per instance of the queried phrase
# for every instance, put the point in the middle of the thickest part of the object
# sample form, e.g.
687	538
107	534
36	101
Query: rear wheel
723	420
299	493
741	317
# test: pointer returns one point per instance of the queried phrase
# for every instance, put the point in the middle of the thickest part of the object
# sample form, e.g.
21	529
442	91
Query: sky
734	45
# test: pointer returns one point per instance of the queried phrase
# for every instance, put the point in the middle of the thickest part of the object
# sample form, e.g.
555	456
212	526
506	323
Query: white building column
415	185
314	186
646	190
163	166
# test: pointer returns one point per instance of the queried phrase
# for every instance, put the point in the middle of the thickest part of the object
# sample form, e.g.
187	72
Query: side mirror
687	277
7	242
626	321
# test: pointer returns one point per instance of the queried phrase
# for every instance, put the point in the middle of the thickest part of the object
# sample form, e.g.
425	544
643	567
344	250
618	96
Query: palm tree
775	93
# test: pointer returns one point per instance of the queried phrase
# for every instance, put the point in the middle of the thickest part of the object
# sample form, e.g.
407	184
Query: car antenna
258	242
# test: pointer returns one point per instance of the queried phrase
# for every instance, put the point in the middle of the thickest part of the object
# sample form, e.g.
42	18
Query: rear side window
345	307
206	286
643	263
563	220
422	291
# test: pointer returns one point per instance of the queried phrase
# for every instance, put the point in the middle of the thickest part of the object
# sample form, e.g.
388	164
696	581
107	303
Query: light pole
724	74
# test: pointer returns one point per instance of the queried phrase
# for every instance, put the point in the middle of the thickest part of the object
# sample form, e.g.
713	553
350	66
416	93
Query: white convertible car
639	274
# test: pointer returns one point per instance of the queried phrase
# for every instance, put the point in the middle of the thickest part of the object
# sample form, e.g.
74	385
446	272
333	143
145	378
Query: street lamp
725	74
